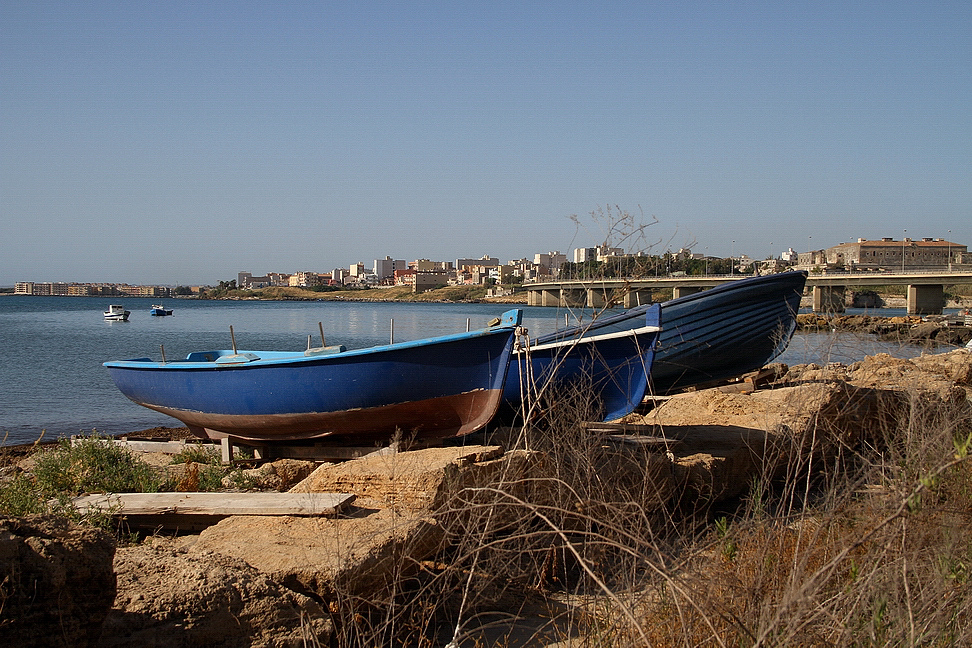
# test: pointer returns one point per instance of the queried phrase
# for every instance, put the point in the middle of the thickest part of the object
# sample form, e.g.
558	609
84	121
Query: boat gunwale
589	339
284	358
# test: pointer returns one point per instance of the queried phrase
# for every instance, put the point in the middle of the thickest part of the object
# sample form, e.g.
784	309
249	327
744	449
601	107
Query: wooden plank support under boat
631	434
234	450
199	510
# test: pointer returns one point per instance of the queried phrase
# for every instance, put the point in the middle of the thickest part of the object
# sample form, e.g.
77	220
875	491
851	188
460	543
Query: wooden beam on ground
216	504
168	447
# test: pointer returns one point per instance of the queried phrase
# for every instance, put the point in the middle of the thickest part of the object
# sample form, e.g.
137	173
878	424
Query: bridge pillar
681	291
534	298
926	300
573	297
828	299
550	297
596	297
636	297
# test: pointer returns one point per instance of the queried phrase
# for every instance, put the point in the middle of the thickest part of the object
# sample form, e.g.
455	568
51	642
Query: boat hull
716	334
435	388
724	332
612	366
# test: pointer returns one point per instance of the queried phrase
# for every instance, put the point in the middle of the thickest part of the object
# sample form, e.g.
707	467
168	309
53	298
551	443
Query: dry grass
870	548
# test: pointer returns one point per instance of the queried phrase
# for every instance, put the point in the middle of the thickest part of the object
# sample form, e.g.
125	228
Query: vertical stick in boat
233	338
391	340
321	329
162	349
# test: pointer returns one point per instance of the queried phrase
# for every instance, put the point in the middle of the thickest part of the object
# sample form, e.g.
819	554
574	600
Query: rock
727	439
955	366
814	373
392	528
417	479
280	475
168	598
57	583
355	556
942	376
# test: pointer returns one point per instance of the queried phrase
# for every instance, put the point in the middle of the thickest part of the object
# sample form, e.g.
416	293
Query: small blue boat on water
612	366
434	388
160	311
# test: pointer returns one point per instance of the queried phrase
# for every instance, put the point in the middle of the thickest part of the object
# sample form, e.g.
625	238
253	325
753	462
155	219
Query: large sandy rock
56	582
725	439
417	479
391	529
954	365
170	598
357	555
944	376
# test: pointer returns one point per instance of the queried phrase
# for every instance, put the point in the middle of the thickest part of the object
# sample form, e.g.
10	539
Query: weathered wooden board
217	504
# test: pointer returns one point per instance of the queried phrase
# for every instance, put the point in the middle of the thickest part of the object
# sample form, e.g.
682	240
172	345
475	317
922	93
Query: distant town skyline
807	257
156	142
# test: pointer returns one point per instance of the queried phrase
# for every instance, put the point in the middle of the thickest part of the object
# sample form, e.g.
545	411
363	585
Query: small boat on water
434	388
612	366
117	313
159	310
720	333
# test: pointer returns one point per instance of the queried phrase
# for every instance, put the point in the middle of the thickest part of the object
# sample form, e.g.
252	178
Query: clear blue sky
183	142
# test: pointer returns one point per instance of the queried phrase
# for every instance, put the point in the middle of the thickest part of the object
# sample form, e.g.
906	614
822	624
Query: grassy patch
93	465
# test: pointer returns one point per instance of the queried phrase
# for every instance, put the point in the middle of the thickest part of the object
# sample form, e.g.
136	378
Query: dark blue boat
613	364
433	388
726	331
720	333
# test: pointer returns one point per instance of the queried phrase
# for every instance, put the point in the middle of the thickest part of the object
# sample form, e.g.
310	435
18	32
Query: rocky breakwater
905	329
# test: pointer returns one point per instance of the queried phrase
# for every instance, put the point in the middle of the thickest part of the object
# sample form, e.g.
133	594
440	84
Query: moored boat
159	310
612	366
733	328
434	388
117	313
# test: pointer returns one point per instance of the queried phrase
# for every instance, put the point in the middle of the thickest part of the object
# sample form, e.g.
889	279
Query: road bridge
926	290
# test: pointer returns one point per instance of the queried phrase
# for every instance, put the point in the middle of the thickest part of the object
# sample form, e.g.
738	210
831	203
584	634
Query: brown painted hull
436	418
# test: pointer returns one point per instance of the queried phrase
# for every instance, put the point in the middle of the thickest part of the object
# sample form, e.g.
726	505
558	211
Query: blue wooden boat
434	388
613	365
720	333
726	331
160	311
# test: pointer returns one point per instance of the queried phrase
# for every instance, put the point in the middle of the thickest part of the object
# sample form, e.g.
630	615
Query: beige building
304	279
888	254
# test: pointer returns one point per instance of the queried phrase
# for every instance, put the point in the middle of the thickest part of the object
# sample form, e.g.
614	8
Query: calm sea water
52	348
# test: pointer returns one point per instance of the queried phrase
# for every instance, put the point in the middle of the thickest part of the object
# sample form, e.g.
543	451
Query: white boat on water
117	313
159	310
